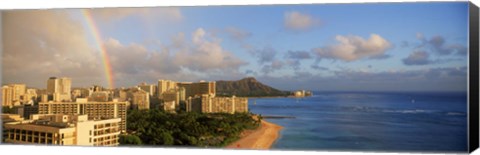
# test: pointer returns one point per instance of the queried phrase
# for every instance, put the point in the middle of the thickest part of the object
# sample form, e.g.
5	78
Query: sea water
378	122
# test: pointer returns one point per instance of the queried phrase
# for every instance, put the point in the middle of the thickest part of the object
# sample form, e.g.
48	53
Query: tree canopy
156	127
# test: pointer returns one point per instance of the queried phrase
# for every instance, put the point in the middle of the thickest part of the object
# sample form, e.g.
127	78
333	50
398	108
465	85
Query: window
90	140
90	132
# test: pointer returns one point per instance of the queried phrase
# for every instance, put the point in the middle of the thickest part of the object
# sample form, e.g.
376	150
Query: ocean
376	122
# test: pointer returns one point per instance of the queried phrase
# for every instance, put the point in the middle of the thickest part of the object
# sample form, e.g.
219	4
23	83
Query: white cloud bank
299	21
57	45
351	48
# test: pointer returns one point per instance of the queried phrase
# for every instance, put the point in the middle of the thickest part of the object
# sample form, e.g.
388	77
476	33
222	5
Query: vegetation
130	140
247	87
155	127
7	110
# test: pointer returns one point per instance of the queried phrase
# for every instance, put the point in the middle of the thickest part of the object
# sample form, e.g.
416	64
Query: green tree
156	127
7	110
130	140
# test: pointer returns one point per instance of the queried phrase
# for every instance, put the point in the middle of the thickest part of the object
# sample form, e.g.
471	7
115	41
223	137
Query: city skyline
372	47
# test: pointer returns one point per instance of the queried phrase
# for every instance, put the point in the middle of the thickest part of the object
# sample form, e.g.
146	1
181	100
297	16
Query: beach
261	138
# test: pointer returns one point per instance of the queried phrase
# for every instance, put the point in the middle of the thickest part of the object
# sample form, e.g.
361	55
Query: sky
326	47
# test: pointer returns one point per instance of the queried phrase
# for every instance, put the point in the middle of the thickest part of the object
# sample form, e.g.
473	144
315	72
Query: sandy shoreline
261	138
266	97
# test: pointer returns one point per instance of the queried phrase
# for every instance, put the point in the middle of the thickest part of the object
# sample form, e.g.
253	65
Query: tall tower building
164	86
149	88
59	85
60	88
18	91
198	88
52	85
7	96
65	85
13	94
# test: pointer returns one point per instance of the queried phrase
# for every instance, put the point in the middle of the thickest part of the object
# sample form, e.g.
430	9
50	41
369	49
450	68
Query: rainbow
99	45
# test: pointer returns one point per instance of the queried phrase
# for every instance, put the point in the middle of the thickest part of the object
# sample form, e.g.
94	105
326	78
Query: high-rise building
7	96
209	104
141	99
52	84
60	88
165	85
94	110
123	95
171	95
13	94
198	88
149	88
99	96
59	85
30	96
59	129
25	111
169	106
19	91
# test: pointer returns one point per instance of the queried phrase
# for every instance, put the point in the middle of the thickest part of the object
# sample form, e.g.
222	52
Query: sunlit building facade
60	129
94	110
209	104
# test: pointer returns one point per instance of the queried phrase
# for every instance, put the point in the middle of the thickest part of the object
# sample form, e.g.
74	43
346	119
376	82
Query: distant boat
255	102
413	100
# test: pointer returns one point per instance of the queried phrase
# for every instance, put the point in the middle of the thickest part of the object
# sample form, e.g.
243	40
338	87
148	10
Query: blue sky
361	47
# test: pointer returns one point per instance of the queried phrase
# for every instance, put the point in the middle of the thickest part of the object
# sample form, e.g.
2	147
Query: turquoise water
418	122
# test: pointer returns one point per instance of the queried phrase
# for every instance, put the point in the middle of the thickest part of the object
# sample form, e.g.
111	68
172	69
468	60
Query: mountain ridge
247	87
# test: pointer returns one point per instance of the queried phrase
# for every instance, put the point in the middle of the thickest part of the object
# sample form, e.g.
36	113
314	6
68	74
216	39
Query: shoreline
266	97
261	138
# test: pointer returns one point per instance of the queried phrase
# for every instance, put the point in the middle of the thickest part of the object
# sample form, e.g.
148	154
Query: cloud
58	46
438	45
55	45
404	44
318	67
423	58
431	75
137	59
298	55
352	48
417	58
237	34
249	71
420	36
273	66
265	55
206	54
199	58
113	14
299	21
424	80
379	57
185	59
293	58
